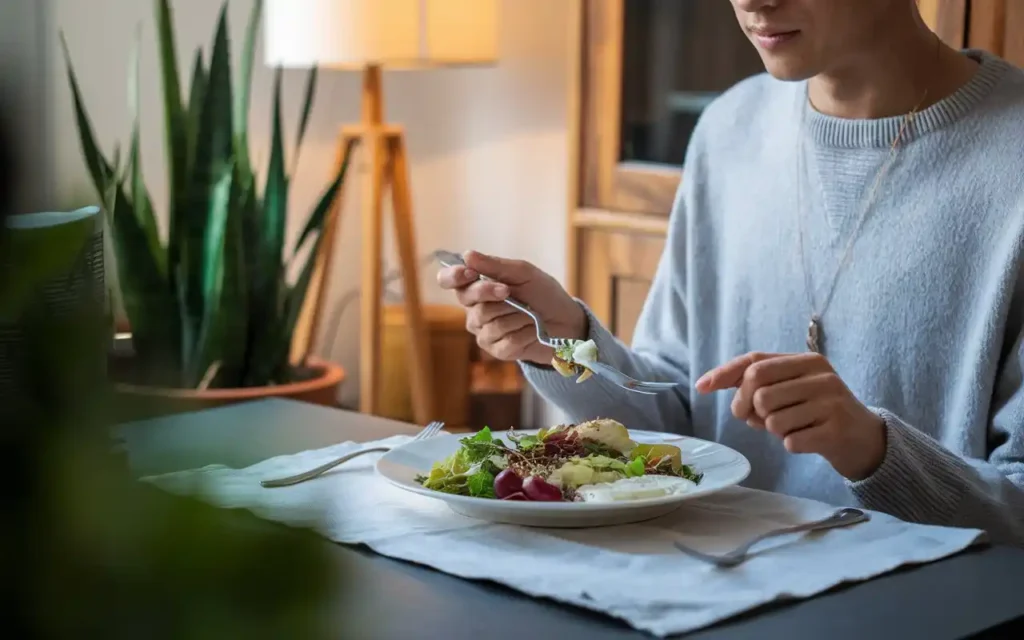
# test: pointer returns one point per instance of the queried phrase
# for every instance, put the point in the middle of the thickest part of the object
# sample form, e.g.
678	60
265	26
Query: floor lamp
370	36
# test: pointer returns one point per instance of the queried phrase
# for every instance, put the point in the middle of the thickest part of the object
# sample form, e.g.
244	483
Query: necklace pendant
814	334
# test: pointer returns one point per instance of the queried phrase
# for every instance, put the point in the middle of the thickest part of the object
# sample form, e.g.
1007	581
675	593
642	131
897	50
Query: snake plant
210	305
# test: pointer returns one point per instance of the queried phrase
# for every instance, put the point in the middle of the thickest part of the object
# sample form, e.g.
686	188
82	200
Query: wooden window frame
606	181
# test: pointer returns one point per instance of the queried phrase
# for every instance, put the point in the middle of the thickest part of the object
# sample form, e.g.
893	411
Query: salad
573	359
593	461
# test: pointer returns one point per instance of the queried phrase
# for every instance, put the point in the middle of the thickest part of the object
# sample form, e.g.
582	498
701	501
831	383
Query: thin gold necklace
815	329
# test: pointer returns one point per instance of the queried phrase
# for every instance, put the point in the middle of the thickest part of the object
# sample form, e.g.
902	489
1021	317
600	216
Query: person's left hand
800	399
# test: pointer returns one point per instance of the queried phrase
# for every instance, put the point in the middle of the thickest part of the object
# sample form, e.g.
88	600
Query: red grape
537	488
507	483
518	495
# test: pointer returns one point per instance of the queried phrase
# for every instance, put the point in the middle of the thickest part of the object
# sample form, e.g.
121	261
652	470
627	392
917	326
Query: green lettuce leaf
635	468
525	443
469	471
480	446
481	484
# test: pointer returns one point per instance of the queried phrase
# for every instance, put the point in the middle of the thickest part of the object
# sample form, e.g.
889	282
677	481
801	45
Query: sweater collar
832	131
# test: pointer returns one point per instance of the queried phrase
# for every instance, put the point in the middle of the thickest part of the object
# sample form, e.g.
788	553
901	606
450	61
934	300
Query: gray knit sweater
927	319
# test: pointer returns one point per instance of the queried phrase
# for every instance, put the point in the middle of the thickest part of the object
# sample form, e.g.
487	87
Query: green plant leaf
140	195
211	329
218	291
197	91
216	229
99	169
212	157
297	294
275	199
175	127
235	299
144	207
268	292
316	219
168	62
293	303
249	226
115	164
250	220
187	324
148	301
144	291
307	105
243	91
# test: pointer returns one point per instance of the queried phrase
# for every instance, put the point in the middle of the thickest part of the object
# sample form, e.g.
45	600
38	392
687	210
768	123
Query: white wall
489	147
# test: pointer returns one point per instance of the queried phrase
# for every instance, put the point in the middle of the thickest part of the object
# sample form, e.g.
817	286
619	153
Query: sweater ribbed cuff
918	481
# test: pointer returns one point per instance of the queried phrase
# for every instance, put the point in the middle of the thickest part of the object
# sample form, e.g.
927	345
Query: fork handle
319	471
842	518
451	259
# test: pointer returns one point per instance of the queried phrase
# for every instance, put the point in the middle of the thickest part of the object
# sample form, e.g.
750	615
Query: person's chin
787	68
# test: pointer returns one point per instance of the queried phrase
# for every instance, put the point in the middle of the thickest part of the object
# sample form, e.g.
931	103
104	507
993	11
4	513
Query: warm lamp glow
370	36
387	33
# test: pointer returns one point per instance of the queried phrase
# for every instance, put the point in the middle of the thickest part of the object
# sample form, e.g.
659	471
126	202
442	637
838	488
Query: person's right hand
500	329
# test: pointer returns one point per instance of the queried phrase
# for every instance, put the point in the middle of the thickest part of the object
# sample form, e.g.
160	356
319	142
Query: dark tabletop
973	594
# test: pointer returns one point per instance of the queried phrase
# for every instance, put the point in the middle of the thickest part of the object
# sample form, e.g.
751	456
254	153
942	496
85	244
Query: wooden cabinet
1013	32
993	25
646	70
618	258
997	26
649	67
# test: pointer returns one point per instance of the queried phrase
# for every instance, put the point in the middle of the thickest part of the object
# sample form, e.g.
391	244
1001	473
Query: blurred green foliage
108	557
89	552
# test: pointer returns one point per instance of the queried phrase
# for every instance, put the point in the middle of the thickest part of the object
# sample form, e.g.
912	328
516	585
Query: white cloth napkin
630	572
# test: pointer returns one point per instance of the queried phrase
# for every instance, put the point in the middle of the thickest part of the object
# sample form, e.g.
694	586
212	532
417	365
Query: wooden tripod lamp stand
370	36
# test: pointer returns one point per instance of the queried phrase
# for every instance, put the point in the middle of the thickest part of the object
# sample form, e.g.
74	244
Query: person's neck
904	74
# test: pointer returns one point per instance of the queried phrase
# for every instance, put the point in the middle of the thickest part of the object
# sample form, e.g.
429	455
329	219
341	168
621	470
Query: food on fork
574	359
594	461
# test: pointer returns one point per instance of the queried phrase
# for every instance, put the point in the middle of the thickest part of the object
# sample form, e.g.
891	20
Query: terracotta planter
137	402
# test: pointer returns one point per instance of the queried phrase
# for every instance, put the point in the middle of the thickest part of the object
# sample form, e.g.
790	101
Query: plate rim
561	507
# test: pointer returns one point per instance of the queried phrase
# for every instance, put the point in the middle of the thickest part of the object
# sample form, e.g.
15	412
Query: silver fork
428	431
450	259
841	518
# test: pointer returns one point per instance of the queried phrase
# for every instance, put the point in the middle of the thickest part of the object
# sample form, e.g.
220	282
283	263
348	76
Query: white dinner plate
722	468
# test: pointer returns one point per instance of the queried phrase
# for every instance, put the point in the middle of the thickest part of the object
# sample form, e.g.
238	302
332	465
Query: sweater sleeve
659	353
922	481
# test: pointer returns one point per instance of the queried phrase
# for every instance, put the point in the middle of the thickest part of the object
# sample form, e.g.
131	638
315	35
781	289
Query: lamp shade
389	33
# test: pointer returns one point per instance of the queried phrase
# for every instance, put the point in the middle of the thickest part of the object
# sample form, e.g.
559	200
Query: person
841	294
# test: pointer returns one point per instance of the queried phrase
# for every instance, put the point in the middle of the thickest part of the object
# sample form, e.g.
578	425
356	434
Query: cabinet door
649	69
1014	33
616	271
998	26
